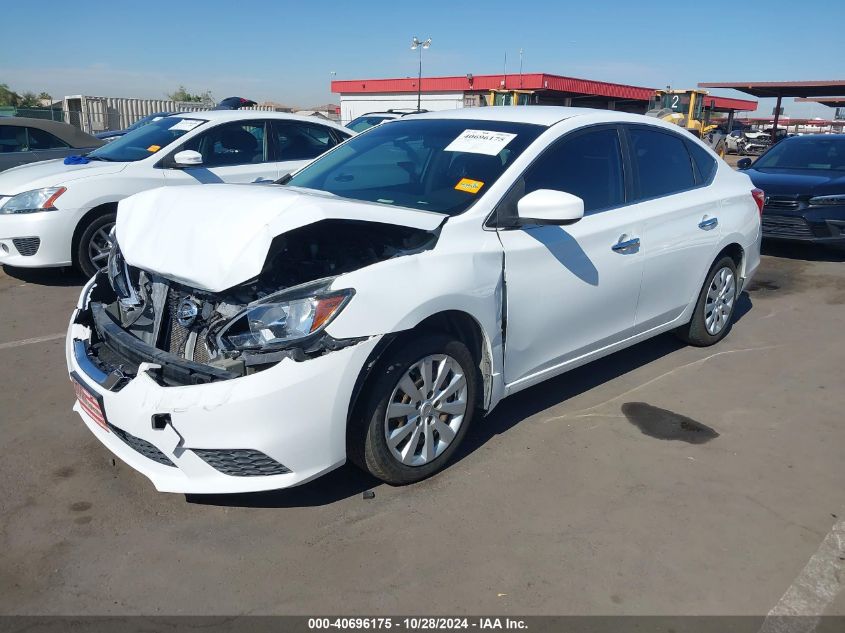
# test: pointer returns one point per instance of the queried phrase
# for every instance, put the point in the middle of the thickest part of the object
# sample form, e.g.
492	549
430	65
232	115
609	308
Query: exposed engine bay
196	336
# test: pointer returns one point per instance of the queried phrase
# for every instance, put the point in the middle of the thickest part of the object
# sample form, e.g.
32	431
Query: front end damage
195	336
234	390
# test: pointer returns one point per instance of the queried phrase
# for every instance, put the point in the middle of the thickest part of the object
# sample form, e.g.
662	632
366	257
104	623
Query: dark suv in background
804	181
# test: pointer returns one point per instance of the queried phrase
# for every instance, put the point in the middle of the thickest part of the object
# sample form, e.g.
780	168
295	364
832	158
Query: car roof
809	138
241	115
545	115
65	131
538	115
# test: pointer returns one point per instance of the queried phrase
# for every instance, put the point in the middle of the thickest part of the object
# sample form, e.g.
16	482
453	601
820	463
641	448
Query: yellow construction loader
691	110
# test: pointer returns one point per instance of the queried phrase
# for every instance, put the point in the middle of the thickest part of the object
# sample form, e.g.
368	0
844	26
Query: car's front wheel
94	244
714	310
417	410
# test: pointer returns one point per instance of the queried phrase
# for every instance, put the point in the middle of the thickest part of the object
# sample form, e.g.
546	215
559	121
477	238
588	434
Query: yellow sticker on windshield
470	186
153	148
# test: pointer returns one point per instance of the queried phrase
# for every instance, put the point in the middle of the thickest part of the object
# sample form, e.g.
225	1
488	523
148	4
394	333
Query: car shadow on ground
46	276
348	481
343	483
805	252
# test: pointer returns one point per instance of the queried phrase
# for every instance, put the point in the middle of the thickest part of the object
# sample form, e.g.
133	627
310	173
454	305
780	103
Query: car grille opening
241	462
189	343
27	246
178	335
781	203
141	446
785	226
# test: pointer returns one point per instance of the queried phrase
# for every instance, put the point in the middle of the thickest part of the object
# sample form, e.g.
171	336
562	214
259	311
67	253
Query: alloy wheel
721	295
425	410
100	245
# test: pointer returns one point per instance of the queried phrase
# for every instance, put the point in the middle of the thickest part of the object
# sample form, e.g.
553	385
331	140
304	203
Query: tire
708	326
93	237
367	441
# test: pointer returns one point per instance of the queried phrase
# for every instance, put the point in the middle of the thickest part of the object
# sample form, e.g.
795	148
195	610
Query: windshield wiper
284	180
90	157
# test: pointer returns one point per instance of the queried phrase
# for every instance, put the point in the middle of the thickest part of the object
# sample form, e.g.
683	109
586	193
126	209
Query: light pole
417	44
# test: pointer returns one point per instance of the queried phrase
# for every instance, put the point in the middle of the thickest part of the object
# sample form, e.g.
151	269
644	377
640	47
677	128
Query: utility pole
417	44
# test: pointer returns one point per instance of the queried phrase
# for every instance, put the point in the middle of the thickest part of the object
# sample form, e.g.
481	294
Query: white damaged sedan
392	292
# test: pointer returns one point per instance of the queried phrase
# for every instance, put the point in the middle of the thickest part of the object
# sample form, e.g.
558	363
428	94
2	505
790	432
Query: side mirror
547	206
743	163
187	158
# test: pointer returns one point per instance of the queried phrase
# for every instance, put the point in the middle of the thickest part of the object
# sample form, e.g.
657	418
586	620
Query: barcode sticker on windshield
469	185
186	125
480	142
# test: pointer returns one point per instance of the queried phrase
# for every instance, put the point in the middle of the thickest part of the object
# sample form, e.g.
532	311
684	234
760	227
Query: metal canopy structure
833	102
781	89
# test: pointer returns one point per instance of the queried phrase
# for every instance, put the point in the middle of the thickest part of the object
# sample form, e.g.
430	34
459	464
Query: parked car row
375	303
366	297
747	142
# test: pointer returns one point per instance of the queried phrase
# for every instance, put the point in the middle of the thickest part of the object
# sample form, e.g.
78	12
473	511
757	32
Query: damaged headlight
284	317
118	273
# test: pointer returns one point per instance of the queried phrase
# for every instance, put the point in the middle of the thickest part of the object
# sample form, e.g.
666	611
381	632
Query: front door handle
708	223
624	246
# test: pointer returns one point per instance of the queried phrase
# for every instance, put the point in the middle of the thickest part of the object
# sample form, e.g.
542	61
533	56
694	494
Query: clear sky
286	51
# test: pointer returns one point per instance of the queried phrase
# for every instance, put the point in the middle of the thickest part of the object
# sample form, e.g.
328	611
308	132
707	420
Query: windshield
145	141
441	165
805	153
366	122
147	120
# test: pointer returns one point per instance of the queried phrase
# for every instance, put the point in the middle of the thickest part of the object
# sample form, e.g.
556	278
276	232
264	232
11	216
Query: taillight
760	199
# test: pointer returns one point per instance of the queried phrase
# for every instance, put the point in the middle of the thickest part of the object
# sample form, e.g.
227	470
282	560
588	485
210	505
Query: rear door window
662	162
39	139
705	164
301	141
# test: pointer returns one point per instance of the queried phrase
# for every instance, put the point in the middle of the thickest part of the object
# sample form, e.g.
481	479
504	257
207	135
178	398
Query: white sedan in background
398	288
60	212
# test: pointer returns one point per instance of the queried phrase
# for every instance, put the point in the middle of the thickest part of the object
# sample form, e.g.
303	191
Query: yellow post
691	112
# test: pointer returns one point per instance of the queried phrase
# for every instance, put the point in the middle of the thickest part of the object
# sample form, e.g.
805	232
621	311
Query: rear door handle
708	223
623	245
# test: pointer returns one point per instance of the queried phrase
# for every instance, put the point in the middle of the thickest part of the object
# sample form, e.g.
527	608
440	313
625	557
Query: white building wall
354	105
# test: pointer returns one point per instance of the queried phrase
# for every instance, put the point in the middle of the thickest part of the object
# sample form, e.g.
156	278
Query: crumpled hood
51	173
216	236
786	182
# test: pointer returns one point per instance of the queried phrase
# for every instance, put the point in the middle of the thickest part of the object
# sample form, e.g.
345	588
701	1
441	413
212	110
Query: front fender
397	294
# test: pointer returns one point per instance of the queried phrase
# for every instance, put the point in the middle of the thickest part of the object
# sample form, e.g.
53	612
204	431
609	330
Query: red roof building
358	96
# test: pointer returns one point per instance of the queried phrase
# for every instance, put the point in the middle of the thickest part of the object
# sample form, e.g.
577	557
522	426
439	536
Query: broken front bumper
273	429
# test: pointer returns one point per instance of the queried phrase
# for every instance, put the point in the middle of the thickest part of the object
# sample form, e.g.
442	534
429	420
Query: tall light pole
417	44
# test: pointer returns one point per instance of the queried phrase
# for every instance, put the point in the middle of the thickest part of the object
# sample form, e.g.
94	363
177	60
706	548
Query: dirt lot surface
664	479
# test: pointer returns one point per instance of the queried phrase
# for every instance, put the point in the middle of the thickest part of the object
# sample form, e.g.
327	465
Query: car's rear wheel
714	310
94	244
417	410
